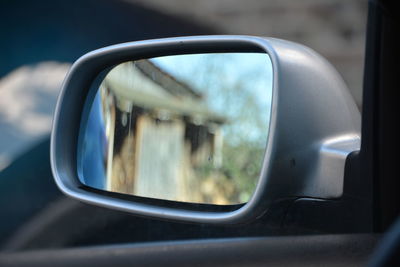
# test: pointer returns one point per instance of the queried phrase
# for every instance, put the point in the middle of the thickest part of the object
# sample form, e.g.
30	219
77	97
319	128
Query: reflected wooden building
159	131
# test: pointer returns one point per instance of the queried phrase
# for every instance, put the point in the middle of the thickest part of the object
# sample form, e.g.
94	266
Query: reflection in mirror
189	128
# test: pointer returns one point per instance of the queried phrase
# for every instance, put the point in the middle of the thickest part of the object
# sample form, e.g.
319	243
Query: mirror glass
189	128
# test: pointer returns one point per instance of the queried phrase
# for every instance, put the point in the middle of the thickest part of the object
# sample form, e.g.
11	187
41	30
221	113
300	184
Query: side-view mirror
203	129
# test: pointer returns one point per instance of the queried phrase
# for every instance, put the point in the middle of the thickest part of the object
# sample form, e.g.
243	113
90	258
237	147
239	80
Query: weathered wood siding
159	158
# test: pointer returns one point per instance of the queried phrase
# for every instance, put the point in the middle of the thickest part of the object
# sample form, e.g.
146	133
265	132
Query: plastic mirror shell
314	125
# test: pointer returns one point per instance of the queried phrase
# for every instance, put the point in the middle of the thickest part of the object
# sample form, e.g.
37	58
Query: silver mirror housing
314	125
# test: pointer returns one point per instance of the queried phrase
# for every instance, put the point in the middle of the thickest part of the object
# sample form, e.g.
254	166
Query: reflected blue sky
236	64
